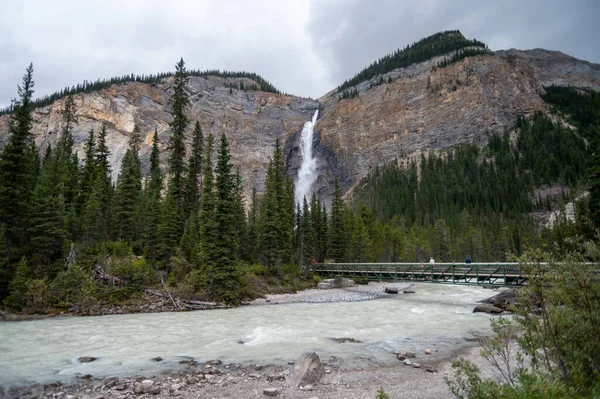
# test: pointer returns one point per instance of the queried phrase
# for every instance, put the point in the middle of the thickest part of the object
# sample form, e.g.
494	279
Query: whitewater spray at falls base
307	175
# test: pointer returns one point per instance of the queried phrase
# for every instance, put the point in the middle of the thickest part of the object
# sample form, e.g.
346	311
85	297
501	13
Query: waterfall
307	174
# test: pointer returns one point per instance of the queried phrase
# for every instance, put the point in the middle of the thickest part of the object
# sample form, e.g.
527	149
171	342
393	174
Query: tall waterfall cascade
307	174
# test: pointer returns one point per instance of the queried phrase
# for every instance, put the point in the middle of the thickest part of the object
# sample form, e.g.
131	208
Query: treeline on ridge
437	44
88	87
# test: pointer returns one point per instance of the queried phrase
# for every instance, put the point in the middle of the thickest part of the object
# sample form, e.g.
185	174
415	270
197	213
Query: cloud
302	47
350	34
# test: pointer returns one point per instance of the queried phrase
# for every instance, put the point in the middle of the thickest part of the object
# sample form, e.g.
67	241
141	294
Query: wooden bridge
491	274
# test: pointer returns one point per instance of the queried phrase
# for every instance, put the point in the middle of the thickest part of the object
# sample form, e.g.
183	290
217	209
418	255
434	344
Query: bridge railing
455	273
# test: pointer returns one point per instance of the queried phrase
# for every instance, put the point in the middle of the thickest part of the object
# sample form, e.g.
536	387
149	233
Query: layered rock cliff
418	109
251	120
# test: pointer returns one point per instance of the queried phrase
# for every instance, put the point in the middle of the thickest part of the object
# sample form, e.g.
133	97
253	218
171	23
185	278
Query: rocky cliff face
251	120
421	109
426	108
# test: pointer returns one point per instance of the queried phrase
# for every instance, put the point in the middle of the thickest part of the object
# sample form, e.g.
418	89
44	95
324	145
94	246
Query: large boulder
485	308
307	370
502	300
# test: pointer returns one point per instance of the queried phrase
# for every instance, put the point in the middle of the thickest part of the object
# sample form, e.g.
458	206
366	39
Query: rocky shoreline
216	380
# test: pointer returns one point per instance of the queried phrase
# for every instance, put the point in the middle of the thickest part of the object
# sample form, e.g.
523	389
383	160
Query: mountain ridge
402	113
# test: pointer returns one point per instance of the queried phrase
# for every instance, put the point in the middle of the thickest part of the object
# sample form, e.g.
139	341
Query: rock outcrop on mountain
401	114
251	120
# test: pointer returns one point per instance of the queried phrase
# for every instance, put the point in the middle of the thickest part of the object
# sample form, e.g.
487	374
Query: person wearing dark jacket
468	260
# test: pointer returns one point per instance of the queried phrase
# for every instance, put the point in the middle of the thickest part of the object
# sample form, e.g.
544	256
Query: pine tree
190	238
68	163
93	224
152	203
88	171
208	246
103	171
225	286
169	231
4	280
594	176
47	211
128	195
19	285
179	102
15	168
193	187
127	199
338	235
239	209
276	219
250	242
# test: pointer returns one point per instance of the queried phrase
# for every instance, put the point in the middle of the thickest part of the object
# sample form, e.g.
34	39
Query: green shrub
381	394
134	274
118	248
35	298
18	286
73	287
554	325
195	282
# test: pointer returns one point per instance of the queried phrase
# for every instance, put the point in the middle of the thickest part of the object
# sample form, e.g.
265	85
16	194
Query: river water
438	317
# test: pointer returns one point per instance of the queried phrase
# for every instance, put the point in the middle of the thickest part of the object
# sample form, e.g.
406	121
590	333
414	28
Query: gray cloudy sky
302	47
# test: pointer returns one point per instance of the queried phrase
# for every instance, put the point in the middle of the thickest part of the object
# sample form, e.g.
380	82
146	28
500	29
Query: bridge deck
497	274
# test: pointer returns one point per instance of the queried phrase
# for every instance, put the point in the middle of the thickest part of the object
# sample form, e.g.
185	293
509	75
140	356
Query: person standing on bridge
468	260
431	261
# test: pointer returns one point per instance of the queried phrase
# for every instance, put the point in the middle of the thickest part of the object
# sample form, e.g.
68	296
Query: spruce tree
127	199
128	195
250	242
193	187
16	167
4	280
225	284
276	218
152	194
208	246
338	235
179	101
68	163
47	212
594	176
239	209
88	171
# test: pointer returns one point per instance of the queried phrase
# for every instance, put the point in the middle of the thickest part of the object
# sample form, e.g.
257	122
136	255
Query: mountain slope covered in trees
181	214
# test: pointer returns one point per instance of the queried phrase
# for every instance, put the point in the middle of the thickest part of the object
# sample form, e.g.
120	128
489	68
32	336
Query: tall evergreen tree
338	235
68	162
250	243
193	187
594	173
88	171
208	246
225	285
179	101
128	197
47	212
4	278
15	167
276	219
152	203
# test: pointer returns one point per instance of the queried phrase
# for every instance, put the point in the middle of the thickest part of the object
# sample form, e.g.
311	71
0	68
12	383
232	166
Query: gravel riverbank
234	381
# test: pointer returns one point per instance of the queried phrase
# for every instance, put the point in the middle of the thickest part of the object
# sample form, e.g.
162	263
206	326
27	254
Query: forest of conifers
61	217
